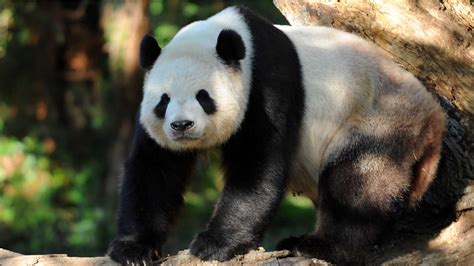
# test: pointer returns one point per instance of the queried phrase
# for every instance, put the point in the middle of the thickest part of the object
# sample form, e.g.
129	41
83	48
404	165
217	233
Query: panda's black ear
230	46
149	52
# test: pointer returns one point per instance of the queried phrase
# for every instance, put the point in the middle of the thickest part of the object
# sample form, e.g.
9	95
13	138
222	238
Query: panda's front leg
150	198
255	184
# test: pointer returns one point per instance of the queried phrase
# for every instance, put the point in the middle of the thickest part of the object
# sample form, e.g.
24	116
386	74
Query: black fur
257	157
230	47
150	198
160	108
149	52
206	102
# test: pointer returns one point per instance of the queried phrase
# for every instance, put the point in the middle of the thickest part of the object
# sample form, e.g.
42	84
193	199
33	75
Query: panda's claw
208	246
130	252
306	246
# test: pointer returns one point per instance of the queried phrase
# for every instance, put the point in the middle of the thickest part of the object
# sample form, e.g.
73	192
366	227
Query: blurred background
69	88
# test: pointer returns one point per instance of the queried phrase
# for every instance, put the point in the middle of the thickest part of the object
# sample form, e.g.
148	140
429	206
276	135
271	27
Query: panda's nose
182	125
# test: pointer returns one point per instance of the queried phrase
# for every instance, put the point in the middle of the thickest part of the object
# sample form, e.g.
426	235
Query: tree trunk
124	23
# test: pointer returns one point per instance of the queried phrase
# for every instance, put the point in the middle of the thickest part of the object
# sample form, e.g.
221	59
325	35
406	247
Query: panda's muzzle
182	125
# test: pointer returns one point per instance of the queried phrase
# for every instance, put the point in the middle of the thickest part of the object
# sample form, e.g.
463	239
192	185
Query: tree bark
182	258
124	23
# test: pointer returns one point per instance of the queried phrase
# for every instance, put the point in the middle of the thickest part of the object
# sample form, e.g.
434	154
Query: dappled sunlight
416	28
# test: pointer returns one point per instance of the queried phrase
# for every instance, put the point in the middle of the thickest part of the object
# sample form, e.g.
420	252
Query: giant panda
306	109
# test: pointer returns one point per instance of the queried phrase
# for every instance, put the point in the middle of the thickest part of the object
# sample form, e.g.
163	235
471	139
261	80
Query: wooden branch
12	258
182	258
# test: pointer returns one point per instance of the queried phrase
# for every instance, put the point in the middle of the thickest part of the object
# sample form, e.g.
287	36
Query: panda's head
194	91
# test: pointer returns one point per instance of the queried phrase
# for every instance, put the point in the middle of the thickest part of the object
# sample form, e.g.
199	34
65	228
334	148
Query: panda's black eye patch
160	108
206	102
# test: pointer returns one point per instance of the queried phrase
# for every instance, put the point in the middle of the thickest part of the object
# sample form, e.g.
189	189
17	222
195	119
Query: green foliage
165	32
156	7
44	206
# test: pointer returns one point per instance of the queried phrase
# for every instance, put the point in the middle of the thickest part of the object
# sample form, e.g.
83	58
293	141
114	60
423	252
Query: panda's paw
305	246
290	244
128	252
209	246
311	246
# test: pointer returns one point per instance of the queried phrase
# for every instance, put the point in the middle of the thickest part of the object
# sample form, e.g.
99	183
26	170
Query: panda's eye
206	102
160	108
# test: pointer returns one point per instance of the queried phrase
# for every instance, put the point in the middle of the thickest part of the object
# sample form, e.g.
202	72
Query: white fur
188	64
350	87
336	82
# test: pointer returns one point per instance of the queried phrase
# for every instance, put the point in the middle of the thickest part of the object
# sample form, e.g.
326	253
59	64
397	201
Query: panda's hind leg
337	238
358	194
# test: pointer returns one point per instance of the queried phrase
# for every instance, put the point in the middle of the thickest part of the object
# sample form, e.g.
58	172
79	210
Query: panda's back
350	87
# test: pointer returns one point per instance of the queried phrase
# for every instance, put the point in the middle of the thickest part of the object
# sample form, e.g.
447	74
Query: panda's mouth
185	138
